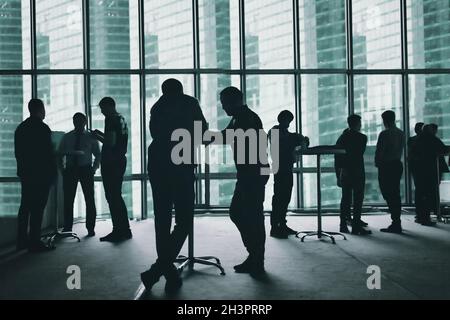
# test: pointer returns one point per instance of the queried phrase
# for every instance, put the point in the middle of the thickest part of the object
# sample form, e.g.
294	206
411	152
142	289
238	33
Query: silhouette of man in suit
113	166
246	209
172	182
36	168
413	162
283	179
430	160
351	175
388	154
78	146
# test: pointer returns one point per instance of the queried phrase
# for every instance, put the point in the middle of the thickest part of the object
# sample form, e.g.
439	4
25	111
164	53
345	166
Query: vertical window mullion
33	49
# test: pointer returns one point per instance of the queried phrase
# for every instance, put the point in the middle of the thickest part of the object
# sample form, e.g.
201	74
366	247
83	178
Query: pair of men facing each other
37	170
427	164
173	185
350	172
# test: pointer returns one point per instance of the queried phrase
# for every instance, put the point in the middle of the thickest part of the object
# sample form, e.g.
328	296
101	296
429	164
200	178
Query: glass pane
221	192
219	33
322	34
269	34
15	48
376	34
63	96
124	89
59	36
375	94
131	192
168	34
324	111
15	92
113	34
429	99
220	157
331	193
9	199
428	33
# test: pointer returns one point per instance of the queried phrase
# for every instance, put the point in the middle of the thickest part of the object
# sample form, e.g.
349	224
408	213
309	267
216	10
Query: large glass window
71	63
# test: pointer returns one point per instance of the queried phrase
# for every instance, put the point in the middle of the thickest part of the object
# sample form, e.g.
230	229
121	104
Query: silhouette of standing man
283	179
36	168
430	153
113	166
351	174
246	209
388	154
172	182
78	146
413	162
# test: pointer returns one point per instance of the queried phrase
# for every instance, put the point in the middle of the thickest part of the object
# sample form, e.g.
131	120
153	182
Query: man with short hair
388	154
283	179
246	209
172	183
351	174
77	147
113	166
36	168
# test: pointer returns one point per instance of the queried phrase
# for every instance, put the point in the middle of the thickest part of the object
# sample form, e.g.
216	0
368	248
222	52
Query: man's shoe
241	268
126	234
173	280
359	230
38	247
363	223
278	233
288	230
392	229
343	228
151	276
112	237
91	233
251	266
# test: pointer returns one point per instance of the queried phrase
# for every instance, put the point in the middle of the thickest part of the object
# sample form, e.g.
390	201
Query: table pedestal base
184	261
320	235
60	235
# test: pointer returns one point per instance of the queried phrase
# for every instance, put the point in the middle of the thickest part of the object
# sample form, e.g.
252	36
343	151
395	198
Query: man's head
388	118
232	99
285	118
172	87
430	129
107	106
79	121
354	122
36	108
418	128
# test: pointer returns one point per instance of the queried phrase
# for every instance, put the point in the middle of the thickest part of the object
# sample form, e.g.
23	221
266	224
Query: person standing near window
388	154
77	147
113	166
36	168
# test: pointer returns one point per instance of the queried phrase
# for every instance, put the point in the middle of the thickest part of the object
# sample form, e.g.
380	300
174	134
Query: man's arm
379	149
97	155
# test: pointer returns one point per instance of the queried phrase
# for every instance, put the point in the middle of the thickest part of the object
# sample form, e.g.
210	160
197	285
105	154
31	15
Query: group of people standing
37	169
173	183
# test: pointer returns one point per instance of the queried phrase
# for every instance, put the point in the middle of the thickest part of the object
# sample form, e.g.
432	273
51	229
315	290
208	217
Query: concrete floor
415	265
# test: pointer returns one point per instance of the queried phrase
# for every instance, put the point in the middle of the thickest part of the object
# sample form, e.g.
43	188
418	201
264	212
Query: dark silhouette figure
413	161
388	154
246	209
283	179
430	160
351	175
172	182
113	166
77	147
36	168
